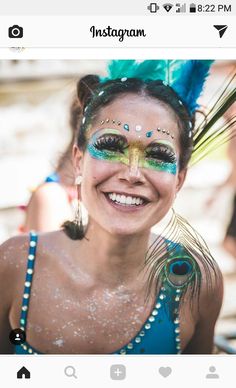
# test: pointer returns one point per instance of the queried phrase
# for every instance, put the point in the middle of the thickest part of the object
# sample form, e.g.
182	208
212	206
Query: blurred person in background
51	202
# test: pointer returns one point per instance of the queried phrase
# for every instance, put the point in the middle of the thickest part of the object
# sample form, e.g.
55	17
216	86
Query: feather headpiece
185	77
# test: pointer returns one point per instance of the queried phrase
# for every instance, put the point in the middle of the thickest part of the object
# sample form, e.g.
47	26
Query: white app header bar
98	32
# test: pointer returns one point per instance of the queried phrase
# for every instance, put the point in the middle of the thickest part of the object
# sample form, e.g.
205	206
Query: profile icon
17	337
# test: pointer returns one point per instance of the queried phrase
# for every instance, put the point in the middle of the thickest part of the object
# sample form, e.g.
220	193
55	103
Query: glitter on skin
132	154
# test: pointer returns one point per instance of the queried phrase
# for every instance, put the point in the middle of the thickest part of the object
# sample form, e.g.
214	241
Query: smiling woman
111	287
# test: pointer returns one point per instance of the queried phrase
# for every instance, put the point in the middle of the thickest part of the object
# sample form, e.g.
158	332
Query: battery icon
192	8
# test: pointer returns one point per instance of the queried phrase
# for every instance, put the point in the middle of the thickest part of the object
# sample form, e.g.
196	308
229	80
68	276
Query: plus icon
118	372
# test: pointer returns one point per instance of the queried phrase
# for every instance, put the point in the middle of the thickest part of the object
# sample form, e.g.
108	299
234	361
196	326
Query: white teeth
125	200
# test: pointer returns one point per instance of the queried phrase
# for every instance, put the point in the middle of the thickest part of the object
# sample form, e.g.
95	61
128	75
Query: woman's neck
113	259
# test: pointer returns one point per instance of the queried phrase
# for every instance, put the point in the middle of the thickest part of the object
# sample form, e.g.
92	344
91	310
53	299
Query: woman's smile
125	201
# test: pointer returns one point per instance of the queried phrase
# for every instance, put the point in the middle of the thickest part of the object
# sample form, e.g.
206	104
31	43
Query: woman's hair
94	95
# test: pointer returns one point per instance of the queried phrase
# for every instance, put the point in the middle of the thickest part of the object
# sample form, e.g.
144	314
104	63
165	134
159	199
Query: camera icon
15	31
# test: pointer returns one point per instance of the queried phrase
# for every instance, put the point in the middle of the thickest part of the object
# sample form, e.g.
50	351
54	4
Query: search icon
70	371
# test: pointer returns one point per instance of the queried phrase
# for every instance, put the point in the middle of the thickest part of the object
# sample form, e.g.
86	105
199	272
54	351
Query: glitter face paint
110	145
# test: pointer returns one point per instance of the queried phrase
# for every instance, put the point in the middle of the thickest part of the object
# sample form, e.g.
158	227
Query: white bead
138	128
151	319
32	243
26	296
25	308
27	284
31	257
147	326
30	271
130	346
137	340
78	180
123	79
155	312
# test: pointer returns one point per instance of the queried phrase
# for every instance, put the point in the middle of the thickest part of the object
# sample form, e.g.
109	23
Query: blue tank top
160	334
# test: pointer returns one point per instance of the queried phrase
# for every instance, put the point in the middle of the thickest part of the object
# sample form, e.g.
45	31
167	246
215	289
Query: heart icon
165	371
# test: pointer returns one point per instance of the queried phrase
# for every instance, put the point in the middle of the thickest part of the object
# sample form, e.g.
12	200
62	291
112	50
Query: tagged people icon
212	374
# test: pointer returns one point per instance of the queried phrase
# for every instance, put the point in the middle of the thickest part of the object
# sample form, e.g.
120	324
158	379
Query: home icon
23	373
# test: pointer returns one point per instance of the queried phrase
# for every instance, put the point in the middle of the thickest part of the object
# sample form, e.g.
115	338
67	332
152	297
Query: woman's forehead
138	118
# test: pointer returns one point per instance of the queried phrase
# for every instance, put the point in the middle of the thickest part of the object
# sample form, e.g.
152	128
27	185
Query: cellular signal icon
168	7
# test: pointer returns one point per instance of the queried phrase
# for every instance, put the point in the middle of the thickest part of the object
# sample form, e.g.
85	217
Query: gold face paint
110	145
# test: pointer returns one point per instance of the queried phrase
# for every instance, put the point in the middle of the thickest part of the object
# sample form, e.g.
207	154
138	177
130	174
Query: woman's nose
132	172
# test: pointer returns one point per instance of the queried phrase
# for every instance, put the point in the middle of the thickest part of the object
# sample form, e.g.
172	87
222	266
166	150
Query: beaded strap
28	280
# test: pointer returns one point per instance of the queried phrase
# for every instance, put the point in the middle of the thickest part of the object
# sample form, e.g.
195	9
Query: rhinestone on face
142	333
151	319
118	122
113	121
126	127
31	257
147	326
102	121
149	134
155	312
107	120
32	243
163	131
30	271
138	128
130	345
137	340
159	129
167	132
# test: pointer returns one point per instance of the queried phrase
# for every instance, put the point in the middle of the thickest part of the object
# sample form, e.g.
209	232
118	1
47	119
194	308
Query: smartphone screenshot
118	194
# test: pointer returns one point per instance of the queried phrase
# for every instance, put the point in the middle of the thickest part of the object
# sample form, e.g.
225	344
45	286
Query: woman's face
130	167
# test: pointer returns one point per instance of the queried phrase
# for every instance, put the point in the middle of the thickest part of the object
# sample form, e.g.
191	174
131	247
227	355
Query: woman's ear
181	178
77	157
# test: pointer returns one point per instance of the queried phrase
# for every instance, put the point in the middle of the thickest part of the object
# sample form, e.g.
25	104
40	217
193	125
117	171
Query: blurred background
35	97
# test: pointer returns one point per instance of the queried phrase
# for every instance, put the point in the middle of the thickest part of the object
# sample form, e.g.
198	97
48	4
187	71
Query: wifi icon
168	6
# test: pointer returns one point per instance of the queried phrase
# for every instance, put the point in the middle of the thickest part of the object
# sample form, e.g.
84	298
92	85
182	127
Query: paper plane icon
221	29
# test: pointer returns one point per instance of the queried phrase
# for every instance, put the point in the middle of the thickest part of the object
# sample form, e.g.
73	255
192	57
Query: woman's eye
110	143
161	153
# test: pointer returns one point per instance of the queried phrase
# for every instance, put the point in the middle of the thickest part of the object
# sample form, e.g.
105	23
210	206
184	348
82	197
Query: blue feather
190	82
